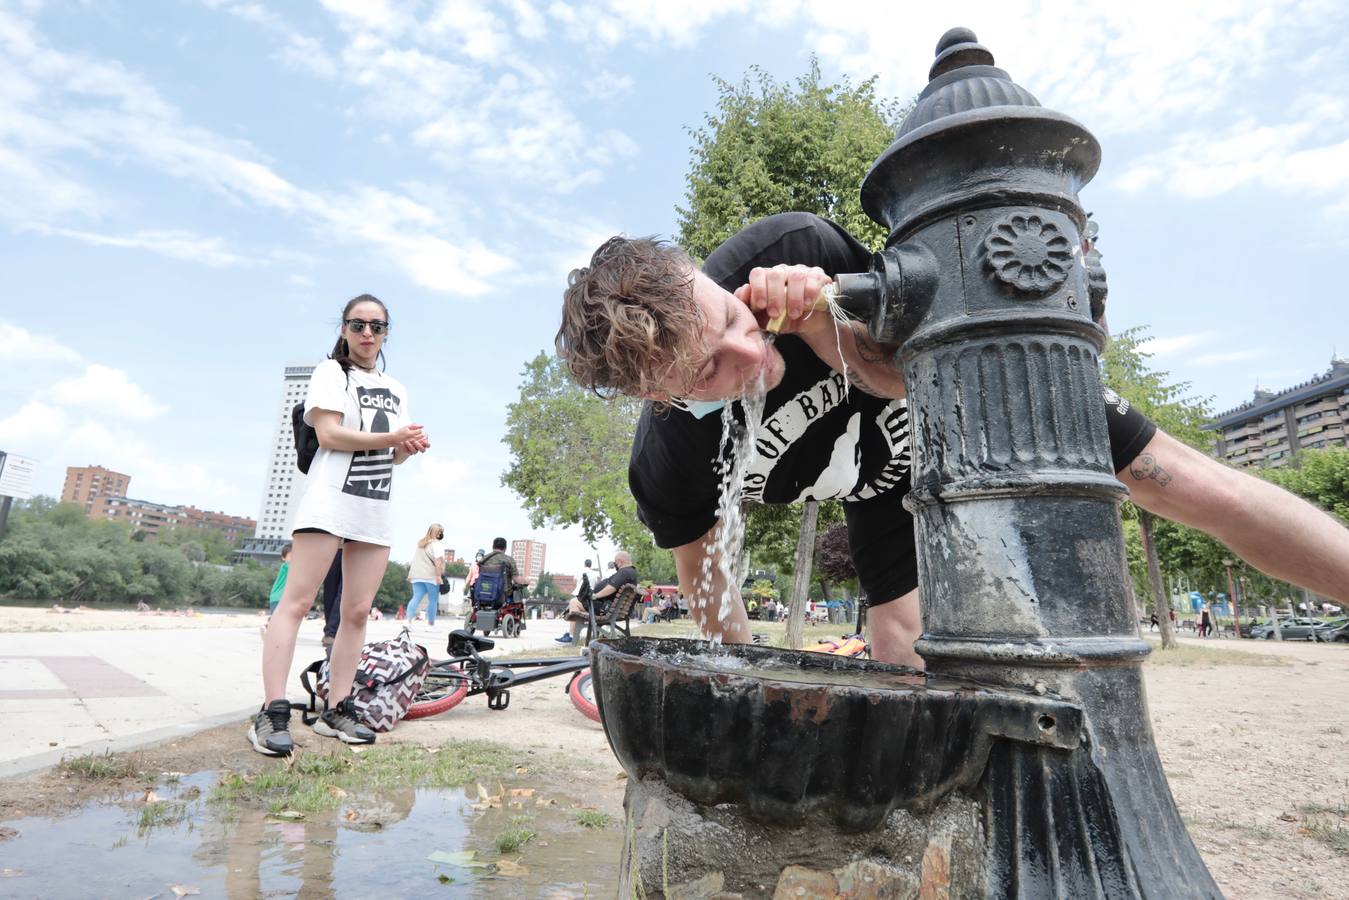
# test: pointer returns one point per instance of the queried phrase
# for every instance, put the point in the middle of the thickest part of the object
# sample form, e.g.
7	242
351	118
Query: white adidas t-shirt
347	492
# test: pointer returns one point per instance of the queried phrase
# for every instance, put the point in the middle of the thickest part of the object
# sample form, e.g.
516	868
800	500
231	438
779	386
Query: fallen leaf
620	776
444	879
184	890
433	749
289	815
351	815
546	801
336	791
482	792
522	792
510	868
464	859
521	770
355	749
1287	817
150	796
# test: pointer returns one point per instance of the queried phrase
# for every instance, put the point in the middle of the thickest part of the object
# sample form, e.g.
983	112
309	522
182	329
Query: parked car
1295	629
1338	635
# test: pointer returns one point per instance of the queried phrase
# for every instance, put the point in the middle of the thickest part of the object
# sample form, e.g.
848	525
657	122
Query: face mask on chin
699	408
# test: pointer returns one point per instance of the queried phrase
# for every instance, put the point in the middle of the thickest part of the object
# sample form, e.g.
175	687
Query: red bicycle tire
439	705
579	699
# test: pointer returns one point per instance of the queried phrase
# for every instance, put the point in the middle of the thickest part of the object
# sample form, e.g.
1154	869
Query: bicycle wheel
442	690
582	693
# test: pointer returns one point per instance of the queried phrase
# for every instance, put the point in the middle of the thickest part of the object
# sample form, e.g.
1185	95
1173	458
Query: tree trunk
805	559
1161	601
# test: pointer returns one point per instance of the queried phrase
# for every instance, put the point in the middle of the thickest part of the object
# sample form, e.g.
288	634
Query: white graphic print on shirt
371	471
841	477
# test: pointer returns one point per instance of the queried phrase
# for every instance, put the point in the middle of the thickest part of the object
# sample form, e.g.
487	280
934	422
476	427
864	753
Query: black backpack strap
310	714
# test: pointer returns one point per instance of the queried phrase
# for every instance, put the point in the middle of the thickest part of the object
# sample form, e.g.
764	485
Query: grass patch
314	782
100	767
1319	809
162	814
593	818
512	839
1332	834
1188	655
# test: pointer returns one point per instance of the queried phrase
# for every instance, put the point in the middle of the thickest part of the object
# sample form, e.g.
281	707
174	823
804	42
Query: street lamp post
1236	597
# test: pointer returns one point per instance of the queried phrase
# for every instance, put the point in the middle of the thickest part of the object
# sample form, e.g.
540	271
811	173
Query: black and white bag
388	678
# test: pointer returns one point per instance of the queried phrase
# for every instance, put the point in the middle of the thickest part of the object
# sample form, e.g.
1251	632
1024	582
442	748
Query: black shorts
880	530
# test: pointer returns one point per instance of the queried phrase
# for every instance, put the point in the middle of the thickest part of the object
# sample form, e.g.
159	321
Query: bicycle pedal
499	701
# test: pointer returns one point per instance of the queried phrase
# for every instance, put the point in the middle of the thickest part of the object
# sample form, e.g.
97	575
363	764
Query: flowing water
719	585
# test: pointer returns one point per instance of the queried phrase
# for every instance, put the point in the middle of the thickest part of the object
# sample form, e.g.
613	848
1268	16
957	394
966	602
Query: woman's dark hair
341	352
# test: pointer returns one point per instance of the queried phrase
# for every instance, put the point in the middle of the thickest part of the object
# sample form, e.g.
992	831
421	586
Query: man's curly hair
630	324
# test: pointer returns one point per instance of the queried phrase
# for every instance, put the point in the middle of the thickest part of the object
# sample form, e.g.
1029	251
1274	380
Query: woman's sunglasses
357	326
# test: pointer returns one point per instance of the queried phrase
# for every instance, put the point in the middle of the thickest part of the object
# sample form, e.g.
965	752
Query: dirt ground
1255	754
25	619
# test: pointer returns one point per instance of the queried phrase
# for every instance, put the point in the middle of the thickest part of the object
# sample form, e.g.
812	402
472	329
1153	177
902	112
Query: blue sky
192	189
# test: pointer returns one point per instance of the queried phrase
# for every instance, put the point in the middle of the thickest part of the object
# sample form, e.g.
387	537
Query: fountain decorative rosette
1034	713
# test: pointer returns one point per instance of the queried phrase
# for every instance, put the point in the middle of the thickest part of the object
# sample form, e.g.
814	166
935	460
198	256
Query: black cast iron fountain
1023	764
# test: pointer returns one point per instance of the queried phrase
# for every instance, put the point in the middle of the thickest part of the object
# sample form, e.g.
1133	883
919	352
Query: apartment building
529	556
1273	425
283	484
84	484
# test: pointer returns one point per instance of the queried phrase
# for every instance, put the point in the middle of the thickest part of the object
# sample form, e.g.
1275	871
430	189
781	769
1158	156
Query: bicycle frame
495	679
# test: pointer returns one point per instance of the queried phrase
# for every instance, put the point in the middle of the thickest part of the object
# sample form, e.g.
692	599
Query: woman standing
428	562
361	417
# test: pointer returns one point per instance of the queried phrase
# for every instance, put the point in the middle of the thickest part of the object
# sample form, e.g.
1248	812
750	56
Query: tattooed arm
1278	533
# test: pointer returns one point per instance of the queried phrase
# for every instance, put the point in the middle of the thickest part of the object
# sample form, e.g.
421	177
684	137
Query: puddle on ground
371	845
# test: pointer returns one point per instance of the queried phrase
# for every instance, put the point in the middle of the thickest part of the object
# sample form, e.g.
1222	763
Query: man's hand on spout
792	290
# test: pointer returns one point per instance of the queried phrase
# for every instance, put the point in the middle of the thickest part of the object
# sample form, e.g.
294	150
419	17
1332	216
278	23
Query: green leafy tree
569	462
774	147
1319	476
545	586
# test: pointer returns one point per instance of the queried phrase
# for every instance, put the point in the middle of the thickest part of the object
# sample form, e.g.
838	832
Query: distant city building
84	484
565	584
142	515
284	484
529	555
1272	426
266	551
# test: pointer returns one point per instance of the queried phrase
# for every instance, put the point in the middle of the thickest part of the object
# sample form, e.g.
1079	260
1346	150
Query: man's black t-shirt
818	441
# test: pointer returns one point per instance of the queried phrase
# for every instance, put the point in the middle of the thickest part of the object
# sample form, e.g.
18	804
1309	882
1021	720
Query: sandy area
1247	748
24	618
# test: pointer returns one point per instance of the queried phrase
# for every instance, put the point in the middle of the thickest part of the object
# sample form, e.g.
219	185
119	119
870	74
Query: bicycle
467	673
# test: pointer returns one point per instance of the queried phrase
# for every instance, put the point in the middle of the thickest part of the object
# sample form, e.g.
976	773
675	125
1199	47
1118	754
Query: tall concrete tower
283	484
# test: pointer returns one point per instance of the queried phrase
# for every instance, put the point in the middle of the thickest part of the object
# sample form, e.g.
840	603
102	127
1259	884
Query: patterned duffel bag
388	678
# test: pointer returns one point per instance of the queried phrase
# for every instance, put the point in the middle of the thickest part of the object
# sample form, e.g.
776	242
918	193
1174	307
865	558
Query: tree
773	147
545	586
1126	370
569	461
1320	476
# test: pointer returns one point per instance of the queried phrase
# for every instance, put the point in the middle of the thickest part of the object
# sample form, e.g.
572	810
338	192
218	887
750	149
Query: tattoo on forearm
1146	466
869	350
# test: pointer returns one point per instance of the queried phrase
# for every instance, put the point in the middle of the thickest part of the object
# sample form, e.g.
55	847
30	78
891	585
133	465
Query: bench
615	618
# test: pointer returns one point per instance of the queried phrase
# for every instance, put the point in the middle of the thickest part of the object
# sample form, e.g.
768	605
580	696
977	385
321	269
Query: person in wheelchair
498	576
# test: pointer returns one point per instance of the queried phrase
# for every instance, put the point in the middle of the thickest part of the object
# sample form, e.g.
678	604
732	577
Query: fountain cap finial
957	48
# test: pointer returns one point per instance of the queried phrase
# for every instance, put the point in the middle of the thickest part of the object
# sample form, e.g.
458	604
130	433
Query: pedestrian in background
279	585
428	562
360	416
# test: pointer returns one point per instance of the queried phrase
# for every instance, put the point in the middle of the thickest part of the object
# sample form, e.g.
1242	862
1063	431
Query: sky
193	188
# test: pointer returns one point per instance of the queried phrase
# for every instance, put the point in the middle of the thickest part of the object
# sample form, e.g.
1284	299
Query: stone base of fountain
678	850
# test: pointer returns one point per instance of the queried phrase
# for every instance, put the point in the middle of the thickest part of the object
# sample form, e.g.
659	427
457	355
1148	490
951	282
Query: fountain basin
790	736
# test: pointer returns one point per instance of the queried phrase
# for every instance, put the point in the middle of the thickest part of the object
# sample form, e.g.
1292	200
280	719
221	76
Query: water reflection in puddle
371	845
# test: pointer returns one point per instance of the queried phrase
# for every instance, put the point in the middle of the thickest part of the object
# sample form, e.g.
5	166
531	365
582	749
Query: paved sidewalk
69	693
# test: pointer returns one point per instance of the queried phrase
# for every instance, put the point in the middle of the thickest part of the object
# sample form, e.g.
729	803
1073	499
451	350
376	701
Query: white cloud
182	245
298	51
1161	346
34	422
107	390
77	103
20	346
